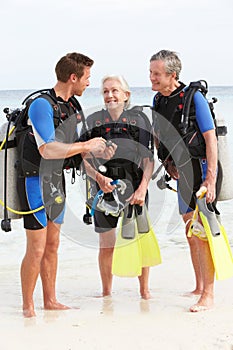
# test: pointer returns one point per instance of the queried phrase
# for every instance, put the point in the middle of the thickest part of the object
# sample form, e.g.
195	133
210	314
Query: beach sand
122	321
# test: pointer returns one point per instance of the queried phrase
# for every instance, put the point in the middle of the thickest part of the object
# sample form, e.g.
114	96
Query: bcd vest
131	125
170	129
126	126
65	123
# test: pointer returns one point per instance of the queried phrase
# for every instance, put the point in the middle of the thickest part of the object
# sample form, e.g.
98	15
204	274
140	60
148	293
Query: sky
120	35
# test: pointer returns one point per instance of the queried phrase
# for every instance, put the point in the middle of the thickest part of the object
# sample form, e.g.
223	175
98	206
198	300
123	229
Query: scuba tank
225	168
12	133
8	173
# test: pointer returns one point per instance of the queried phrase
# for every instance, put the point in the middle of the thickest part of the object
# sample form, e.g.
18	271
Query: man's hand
209	187
171	170
96	145
109	151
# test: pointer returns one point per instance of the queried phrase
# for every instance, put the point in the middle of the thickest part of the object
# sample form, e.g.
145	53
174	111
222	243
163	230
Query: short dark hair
72	63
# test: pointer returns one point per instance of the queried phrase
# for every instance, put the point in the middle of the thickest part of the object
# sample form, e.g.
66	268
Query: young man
191	174
43	227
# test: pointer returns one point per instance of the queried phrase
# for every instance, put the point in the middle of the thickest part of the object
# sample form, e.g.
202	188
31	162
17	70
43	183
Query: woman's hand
104	183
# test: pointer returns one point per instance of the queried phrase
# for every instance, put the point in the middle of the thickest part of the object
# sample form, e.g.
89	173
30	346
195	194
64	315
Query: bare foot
102	296
194	292
27	313
55	306
205	303
145	295
198	308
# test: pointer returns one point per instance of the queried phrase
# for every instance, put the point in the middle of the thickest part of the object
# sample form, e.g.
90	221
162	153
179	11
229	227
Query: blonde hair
123	83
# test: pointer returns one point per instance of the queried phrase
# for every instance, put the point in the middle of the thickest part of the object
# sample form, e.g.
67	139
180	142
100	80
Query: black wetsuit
132	135
192	172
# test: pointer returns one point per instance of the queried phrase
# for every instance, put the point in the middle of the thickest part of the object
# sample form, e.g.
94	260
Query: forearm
104	182
148	167
211	155
90	170
138	197
59	150
156	141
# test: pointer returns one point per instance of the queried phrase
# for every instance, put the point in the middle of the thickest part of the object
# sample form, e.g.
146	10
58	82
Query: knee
34	254
107	240
52	246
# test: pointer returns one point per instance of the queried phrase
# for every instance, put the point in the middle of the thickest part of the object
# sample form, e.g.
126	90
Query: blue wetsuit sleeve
203	113
41	116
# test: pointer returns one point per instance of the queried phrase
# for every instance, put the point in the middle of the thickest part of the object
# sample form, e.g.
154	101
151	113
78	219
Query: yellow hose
4	141
22	212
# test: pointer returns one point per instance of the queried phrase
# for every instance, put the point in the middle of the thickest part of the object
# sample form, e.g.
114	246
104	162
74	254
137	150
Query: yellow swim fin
218	241
149	245
127	251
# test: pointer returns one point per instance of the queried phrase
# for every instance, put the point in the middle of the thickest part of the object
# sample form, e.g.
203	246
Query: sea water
163	203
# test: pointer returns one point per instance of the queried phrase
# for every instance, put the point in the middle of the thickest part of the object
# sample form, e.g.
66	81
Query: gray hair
123	83
171	61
